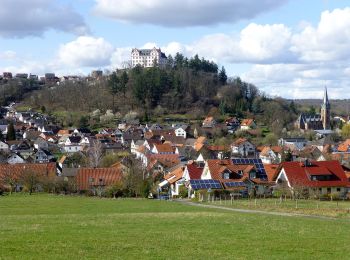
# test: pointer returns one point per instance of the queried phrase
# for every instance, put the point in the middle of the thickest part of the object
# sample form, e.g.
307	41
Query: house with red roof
193	170
17	171
97	180
271	154
314	177
247	124
165	148
174	180
245	175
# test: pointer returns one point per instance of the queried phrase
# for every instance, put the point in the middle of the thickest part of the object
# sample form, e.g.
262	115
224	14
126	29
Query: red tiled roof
194	170
344	146
271	171
164	148
217	147
217	167
87	177
64	132
239	141
175	175
247	122
44	169
298	174
167	160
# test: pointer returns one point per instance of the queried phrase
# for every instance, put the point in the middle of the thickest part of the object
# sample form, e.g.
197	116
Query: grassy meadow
335	209
59	227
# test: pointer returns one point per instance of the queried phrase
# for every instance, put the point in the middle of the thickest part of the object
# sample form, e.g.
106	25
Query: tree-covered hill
183	86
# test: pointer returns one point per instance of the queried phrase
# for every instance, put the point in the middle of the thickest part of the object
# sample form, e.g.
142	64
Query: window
226	175
329	190
338	189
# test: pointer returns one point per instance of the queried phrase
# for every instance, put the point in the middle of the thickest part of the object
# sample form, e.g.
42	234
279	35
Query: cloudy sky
288	48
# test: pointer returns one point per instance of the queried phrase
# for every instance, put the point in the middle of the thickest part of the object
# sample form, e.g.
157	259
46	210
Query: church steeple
325	110
325	98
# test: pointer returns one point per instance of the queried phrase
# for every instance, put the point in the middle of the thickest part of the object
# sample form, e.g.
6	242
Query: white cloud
175	13
86	51
120	58
326	42
8	55
299	80
21	18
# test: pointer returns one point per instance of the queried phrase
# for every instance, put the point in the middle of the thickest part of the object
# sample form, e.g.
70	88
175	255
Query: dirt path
285	214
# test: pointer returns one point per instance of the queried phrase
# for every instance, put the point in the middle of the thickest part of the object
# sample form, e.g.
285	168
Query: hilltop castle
317	121
148	57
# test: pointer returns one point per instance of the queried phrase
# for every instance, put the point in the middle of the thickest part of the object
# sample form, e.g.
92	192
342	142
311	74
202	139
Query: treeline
14	89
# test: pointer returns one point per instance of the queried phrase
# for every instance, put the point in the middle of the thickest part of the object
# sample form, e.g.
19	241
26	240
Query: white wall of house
14	158
4	146
72	148
245	147
206	175
180	132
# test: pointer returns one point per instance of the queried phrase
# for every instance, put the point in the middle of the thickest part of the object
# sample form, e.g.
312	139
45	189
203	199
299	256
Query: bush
115	191
183	192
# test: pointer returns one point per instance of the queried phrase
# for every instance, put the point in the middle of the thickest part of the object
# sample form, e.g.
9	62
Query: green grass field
62	227
336	209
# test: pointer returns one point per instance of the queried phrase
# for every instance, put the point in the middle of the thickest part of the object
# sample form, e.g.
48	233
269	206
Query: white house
180	132
271	155
4	146
148	57
247	124
242	147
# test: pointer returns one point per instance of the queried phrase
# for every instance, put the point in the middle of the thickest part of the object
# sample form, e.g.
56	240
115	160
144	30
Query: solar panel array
233	184
257	162
205	184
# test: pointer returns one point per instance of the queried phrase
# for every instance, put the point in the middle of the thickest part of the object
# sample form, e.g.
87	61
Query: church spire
325	111
325	98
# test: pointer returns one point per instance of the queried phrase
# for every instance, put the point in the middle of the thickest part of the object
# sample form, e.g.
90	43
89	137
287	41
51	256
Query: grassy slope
44	226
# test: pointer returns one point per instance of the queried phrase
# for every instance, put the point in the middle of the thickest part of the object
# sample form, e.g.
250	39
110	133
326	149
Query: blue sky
286	48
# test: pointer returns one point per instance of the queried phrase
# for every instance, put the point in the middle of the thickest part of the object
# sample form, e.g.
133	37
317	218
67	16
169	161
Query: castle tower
326	111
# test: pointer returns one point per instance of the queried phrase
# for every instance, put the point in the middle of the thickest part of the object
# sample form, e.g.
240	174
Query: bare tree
95	153
30	179
8	178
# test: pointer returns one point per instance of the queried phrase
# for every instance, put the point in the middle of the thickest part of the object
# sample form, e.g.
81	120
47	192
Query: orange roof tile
271	171
247	122
344	146
164	148
175	175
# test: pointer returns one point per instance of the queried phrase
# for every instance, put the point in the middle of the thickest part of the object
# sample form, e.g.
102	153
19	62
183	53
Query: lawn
62	227
337	209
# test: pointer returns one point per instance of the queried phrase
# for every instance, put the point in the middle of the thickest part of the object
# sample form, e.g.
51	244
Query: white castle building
148	57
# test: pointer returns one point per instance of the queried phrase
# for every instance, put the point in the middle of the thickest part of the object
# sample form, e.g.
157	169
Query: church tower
326	111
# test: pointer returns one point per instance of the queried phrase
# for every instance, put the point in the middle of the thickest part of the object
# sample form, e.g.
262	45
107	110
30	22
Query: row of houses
250	176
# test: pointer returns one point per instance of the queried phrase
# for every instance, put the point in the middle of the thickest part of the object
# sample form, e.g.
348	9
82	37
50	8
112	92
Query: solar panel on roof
235	184
257	163
205	184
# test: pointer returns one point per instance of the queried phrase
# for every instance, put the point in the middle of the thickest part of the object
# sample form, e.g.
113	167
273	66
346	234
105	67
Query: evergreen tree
123	81
83	122
11	133
114	86
223	76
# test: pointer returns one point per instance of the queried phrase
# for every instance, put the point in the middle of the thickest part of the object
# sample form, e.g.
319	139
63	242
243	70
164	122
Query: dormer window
226	175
